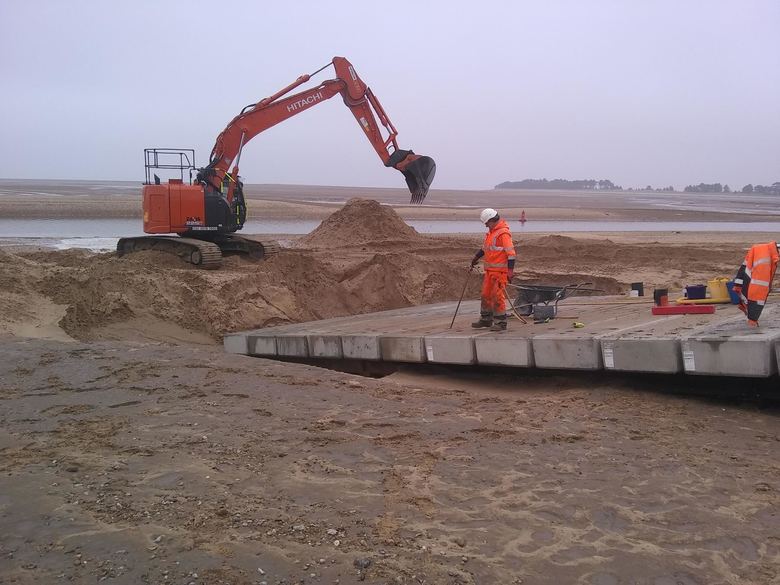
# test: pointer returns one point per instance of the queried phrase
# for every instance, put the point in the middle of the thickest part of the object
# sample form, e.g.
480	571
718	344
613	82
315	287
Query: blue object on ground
695	291
732	295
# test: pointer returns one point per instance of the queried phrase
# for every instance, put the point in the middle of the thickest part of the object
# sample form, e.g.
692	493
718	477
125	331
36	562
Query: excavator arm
358	97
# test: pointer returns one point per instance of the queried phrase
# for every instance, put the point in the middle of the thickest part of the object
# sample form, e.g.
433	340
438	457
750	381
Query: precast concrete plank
322	334
568	353
261	345
292	346
450	348
732	348
561	345
387	322
402	348
658	356
236	343
360	347
264	342
325	346
242	343
652	346
501	349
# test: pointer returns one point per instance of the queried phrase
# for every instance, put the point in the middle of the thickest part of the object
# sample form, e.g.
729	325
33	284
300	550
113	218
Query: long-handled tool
465	285
514	311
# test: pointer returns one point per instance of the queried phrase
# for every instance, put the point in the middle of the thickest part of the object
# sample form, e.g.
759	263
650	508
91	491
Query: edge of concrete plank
237	343
660	355
450	348
631	349
502	350
325	346
262	345
568	352
731	348
402	348
360	346
292	345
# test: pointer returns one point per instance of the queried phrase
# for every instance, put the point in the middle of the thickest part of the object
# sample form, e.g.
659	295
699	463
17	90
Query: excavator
206	213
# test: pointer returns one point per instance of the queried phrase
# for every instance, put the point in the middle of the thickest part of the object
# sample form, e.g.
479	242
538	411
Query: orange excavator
206	213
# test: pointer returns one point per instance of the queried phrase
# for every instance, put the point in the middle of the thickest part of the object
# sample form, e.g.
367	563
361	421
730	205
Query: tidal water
102	234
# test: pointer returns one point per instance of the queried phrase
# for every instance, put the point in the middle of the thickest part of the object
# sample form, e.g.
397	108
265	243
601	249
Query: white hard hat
487	214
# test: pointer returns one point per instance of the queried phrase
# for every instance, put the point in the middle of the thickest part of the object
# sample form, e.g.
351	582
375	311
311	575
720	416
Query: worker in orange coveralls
499	263
754	279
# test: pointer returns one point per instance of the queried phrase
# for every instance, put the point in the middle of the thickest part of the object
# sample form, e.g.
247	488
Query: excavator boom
418	171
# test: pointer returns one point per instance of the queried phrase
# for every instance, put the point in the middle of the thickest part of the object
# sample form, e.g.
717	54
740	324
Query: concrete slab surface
619	333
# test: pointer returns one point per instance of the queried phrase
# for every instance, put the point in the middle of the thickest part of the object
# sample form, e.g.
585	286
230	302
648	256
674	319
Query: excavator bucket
419	175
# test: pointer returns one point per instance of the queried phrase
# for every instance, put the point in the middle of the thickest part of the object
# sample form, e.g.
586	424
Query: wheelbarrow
536	299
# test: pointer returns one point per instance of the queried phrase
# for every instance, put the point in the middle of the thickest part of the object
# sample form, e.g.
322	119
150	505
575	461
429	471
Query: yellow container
717	288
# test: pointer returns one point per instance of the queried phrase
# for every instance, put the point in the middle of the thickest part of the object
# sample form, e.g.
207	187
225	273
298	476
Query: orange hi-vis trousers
493	299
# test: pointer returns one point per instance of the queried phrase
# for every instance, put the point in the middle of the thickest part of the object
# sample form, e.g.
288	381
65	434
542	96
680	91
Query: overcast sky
663	92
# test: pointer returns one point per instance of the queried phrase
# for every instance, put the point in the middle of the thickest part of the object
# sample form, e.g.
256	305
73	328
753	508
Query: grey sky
663	92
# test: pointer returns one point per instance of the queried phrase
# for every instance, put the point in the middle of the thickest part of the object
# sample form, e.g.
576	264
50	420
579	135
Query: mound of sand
152	296
359	222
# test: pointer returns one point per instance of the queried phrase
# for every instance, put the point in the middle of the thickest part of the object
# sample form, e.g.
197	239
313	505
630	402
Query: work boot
500	324
485	320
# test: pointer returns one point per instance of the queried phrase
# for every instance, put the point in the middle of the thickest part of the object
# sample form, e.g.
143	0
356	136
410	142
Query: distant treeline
607	185
773	189
559	184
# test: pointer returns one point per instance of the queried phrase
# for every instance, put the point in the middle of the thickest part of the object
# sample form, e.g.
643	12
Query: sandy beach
134	450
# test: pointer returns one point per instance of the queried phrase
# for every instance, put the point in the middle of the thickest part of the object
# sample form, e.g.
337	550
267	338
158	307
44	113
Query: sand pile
153	296
359	222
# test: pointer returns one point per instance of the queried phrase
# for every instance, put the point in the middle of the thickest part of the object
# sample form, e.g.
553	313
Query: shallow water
102	234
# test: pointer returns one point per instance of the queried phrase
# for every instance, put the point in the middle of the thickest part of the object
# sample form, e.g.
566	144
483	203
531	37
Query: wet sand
152	463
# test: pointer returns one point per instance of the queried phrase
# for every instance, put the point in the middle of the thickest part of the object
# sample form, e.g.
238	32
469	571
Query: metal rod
320	69
465	284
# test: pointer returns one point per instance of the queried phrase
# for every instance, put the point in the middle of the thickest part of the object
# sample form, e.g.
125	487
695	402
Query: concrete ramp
620	334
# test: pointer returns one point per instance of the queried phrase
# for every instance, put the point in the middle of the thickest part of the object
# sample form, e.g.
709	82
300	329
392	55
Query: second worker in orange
499	263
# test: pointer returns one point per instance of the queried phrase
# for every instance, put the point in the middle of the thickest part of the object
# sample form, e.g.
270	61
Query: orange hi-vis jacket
755	277
498	248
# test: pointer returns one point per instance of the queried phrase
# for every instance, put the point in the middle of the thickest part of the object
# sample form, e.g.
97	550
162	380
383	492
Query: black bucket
661	297
419	175
639	287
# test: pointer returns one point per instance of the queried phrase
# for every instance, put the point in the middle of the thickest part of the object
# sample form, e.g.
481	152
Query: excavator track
253	247
200	253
